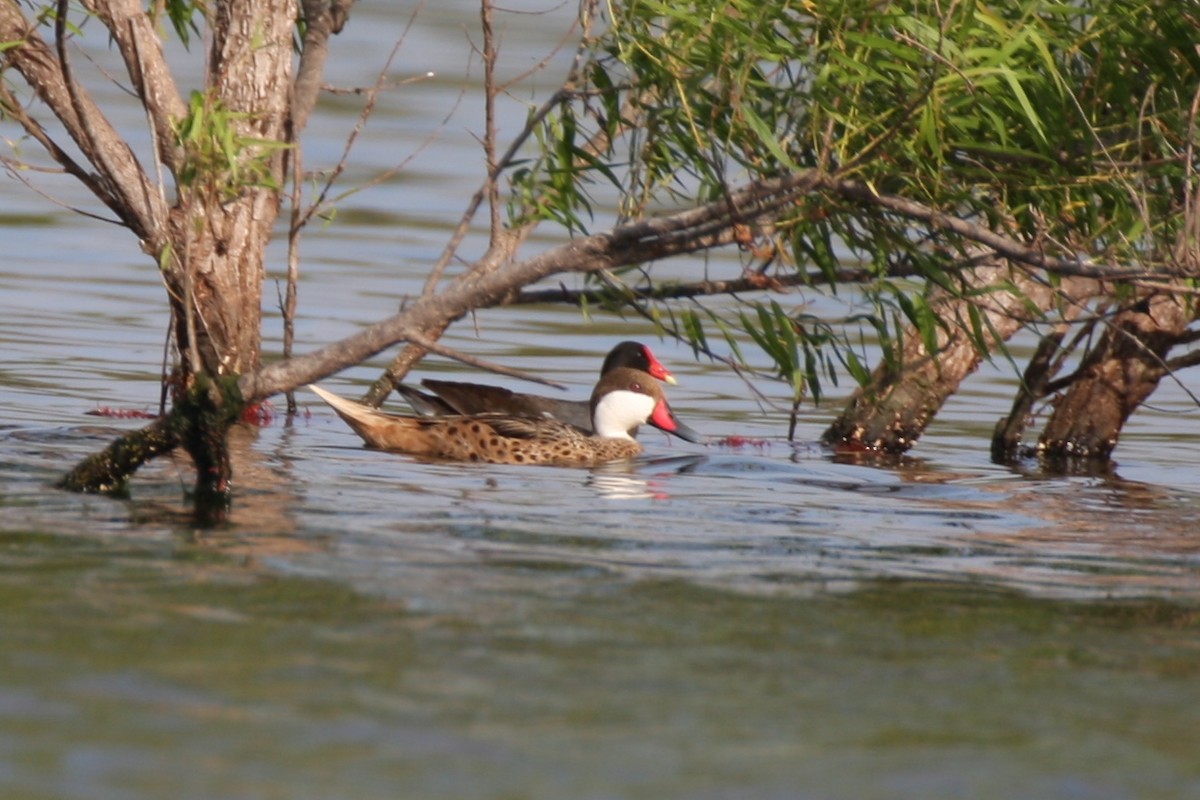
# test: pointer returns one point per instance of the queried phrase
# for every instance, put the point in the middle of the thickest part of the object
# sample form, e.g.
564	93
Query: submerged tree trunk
1116	376
229	187
1125	366
1009	433
907	390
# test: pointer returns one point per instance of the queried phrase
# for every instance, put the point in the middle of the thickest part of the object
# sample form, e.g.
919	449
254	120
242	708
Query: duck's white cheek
619	411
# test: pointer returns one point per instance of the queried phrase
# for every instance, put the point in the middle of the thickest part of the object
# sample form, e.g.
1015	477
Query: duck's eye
635	387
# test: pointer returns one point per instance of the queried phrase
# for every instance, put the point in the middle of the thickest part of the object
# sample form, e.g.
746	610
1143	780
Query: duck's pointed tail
377	428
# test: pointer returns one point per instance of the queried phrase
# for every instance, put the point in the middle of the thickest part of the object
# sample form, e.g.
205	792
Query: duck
624	398
457	397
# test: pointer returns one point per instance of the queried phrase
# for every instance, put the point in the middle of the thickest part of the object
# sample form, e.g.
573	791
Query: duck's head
636	355
626	398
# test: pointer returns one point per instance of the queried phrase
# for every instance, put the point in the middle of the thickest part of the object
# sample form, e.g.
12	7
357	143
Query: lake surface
710	622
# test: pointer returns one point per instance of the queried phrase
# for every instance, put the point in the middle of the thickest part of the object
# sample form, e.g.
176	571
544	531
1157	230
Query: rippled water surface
710	622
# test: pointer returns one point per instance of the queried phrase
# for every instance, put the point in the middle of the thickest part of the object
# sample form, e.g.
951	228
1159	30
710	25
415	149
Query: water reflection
641	479
747	523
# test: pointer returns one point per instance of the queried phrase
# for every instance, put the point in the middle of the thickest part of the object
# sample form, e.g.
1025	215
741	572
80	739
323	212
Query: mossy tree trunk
228	185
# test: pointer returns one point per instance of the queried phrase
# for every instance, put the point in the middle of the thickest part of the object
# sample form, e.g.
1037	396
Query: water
709	623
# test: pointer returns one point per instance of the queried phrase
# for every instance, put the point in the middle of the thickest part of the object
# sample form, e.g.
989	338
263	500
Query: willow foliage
1064	122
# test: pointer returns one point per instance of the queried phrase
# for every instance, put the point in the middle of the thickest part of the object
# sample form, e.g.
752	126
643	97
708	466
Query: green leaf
768	138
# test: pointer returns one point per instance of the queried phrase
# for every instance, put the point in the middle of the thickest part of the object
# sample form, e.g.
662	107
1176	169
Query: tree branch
490	366
124	185
141	48
1184	361
505	160
683	291
322	19
697	229
1005	246
13	108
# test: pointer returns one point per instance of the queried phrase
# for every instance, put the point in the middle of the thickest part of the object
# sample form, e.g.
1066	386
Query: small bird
623	399
455	397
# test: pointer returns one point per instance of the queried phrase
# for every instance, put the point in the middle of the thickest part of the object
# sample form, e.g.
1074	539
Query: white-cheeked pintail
623	399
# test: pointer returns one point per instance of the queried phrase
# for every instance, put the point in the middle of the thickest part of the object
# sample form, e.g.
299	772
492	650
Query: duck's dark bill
665	420
686	433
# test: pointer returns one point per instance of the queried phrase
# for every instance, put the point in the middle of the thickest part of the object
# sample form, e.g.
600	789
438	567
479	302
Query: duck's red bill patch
657	369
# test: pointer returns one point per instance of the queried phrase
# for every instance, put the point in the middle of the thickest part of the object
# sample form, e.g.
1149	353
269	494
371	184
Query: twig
490	90
88	139
287	305
17	171
505	160
372	97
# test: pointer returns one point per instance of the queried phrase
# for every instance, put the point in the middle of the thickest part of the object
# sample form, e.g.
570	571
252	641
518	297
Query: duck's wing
425	404
527	427
478	398
473	398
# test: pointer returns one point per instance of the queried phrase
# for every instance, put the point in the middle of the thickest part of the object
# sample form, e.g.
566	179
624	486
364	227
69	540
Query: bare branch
490	91
13	108
698	229
141	48
17	170
470	360
372	94
1184	361
493	175
122	184
682	291
322	19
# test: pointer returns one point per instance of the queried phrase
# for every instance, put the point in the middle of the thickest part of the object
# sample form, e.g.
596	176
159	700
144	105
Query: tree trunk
1116	376
225	217
908	389
229	182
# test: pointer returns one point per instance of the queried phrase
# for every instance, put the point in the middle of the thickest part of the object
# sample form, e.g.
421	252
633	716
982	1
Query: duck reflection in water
641	479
